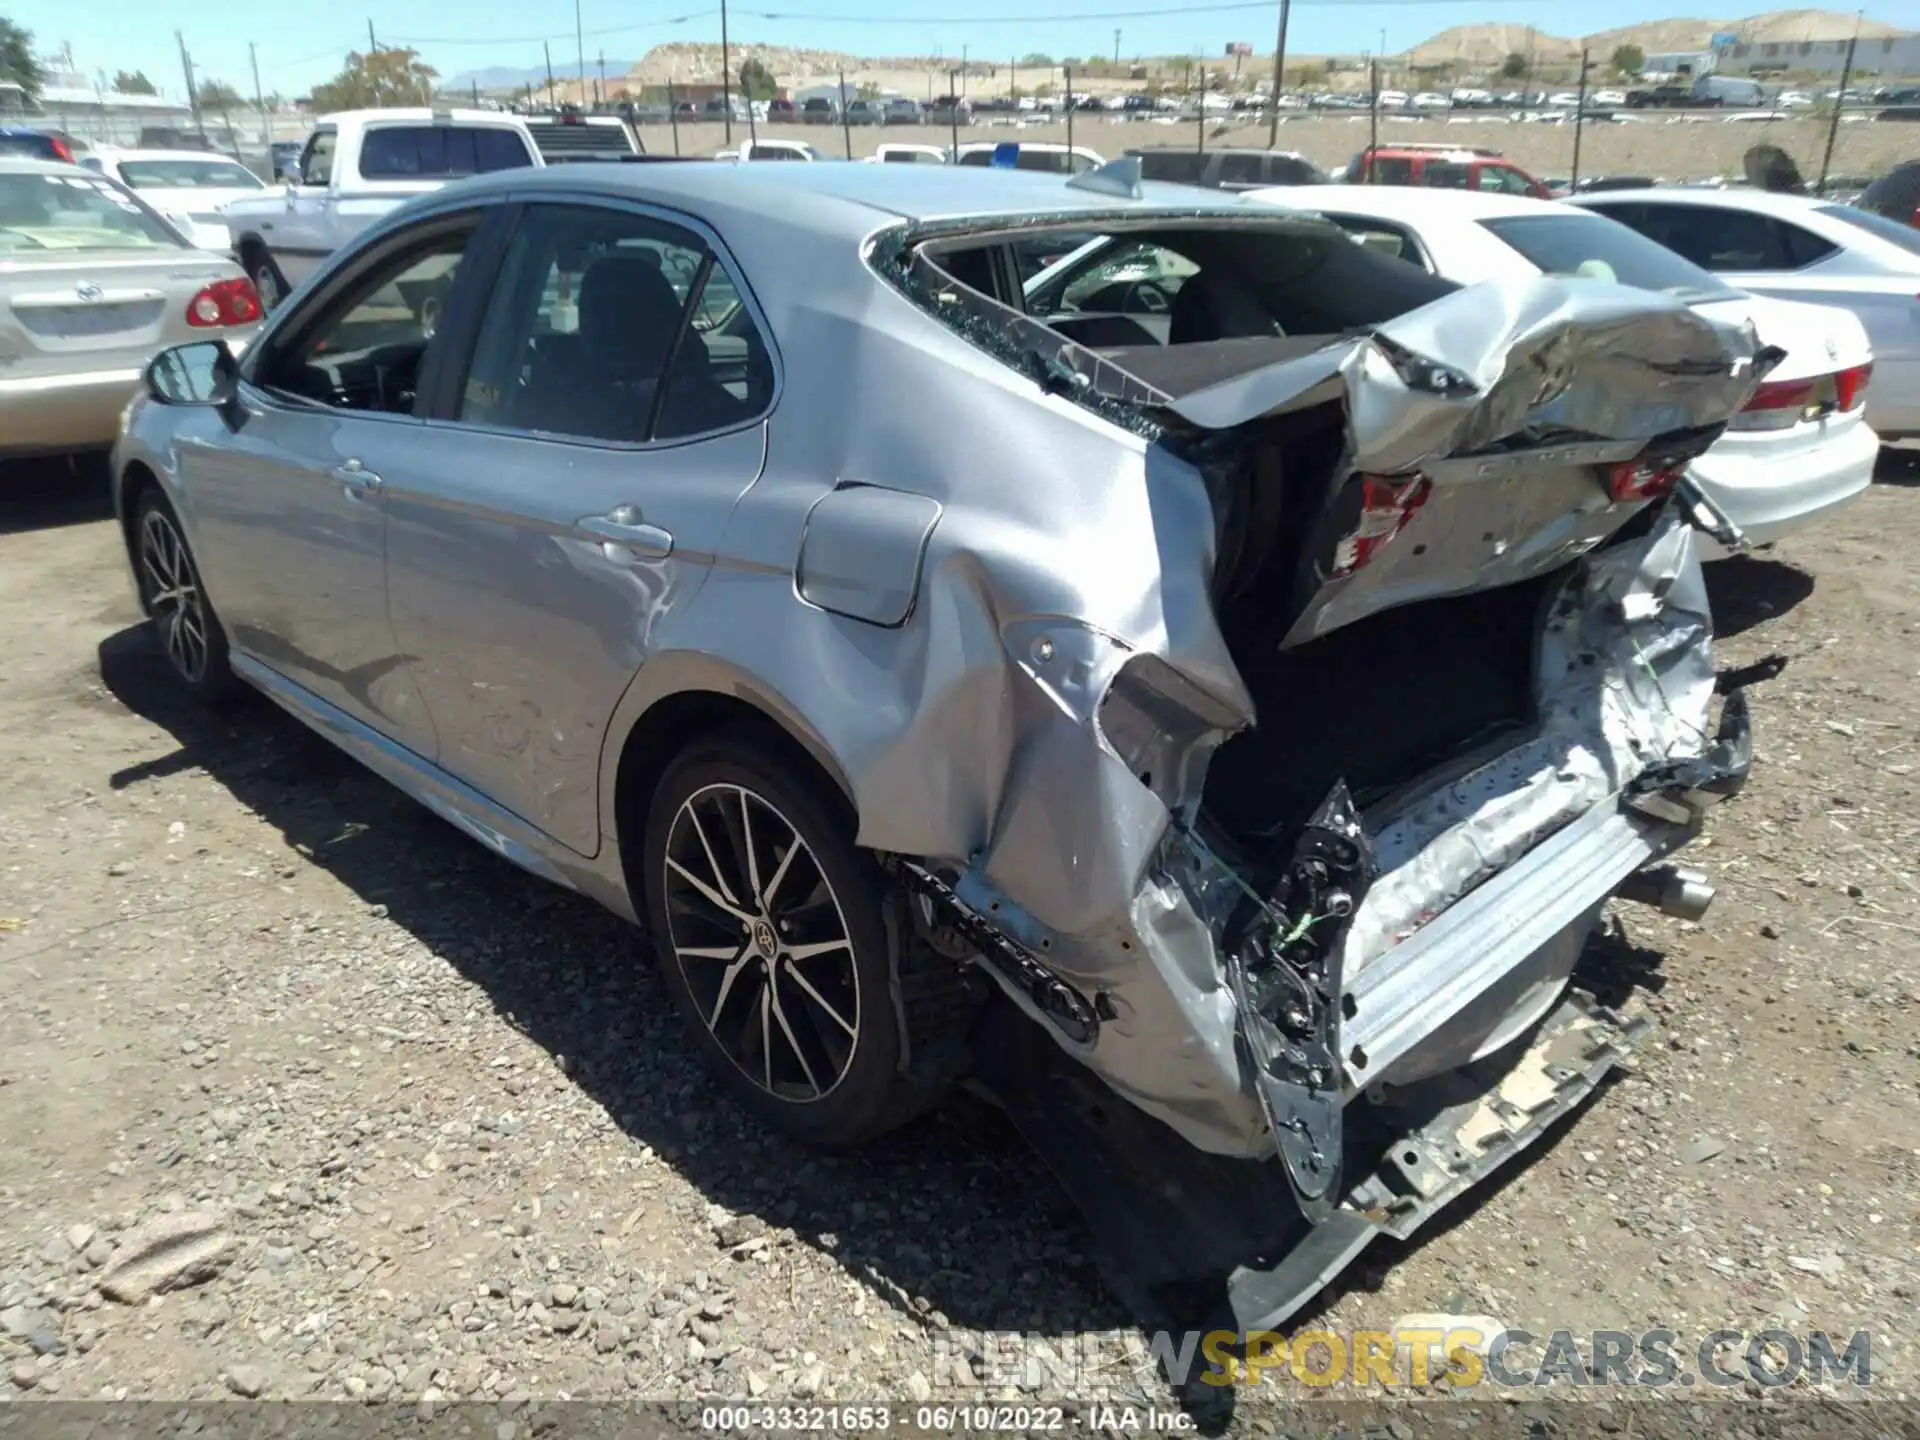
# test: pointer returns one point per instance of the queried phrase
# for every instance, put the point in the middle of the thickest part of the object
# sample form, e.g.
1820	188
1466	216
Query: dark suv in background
1229	169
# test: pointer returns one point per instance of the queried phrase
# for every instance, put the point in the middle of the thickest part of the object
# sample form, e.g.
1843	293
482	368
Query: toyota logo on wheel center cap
763	937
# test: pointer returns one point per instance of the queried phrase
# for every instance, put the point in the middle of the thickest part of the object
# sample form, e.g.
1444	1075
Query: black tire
185	629
267	280
868	1095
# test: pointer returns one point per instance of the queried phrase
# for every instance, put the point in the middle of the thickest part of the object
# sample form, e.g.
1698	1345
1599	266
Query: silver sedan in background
92	284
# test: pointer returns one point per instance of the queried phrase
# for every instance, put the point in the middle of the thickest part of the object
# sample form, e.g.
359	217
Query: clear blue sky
457	35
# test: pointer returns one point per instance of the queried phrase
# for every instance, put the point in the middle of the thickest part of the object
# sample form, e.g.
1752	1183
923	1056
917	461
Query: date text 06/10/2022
961	1418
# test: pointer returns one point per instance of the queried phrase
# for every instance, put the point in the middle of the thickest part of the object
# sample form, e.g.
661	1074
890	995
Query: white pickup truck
358	165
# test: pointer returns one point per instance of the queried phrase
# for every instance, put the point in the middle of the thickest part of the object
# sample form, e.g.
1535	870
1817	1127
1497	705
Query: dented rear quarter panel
966	731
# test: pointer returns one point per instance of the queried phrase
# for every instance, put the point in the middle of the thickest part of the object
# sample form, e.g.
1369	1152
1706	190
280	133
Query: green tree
17	65
133	82
756	81
217	97
377	78
1629	60
1037	60
1514	66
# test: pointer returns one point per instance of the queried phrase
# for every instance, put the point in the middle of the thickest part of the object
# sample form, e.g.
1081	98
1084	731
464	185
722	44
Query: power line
1149	13
557	35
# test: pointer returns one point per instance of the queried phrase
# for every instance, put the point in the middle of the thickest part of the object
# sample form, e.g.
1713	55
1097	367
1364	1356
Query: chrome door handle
623	526
356	478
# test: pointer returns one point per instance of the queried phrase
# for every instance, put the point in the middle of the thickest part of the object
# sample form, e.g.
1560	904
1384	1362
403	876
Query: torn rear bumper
1431	1152
1415	991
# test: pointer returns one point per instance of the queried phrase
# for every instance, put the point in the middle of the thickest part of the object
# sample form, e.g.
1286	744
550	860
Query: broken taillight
1641	479
1850	386
1782	404
1387	504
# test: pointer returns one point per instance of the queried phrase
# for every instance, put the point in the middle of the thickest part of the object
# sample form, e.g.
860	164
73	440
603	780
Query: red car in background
1450	167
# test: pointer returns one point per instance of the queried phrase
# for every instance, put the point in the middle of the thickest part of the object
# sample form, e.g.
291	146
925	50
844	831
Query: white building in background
90	111
1895	57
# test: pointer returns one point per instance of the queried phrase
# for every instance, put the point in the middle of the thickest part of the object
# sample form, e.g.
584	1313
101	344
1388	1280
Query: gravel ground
393	1120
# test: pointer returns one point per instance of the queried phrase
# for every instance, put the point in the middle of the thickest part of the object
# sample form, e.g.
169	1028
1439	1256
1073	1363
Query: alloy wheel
173	594
762	943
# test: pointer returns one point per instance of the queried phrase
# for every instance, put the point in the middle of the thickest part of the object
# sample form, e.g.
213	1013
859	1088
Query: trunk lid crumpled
1511	397
1504	397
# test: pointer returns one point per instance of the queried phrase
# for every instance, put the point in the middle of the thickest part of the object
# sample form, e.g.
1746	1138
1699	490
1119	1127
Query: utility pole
546	52
1579	114
372	44
673	117
1279	72
953	115
580	49
1373	120
600	94
1839	101
1116	44
260	103
1066	74
846	125
193	96
963	73
1200	127
726	73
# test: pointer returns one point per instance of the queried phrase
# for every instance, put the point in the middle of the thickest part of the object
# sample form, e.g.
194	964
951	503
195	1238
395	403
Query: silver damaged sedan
1195	677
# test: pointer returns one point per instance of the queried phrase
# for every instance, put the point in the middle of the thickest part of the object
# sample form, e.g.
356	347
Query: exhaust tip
1676	890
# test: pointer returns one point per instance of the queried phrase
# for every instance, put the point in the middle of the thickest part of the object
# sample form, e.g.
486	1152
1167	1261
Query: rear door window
1391	171
1501	180
1717	239
612	326
1382	237
1180	167
405	152
1241	170
1292	170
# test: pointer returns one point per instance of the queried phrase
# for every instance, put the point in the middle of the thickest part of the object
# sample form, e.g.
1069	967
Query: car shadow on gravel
1898	465
1750	590
1612	968
953	1220
54	492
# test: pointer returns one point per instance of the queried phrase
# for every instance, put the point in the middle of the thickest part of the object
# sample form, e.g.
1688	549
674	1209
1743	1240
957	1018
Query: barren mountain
1779	26
1488	45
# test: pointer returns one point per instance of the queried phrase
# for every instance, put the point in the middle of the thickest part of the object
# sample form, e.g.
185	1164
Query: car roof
1434	150
22	165
415	115
1770	202
1412	203
108	152
850	199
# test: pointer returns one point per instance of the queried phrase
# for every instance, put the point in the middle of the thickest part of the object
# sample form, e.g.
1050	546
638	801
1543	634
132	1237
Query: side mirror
203	373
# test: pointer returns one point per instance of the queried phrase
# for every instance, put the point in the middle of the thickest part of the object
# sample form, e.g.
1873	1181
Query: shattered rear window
1093	301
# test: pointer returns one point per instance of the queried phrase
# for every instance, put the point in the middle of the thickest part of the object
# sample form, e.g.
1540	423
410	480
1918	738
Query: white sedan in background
191	188
1800	449
1798	247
